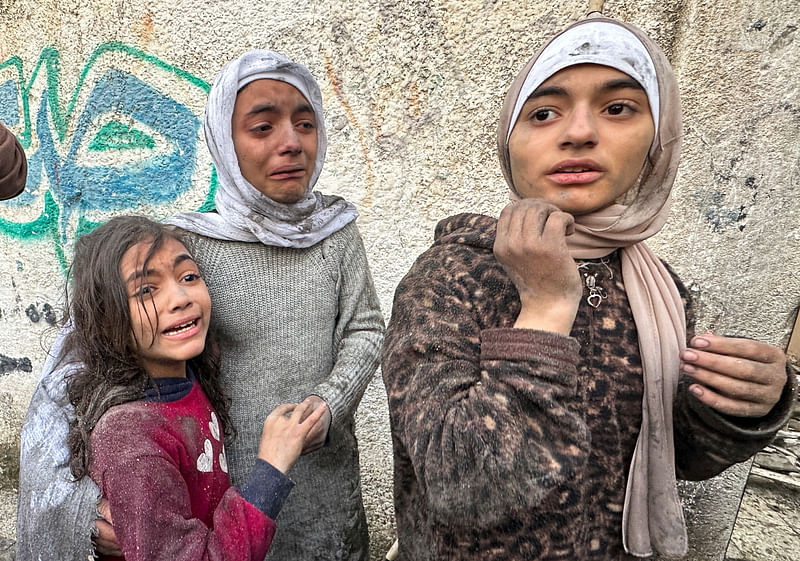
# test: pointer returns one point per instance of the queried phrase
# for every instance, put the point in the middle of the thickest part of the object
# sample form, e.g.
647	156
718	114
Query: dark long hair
100	344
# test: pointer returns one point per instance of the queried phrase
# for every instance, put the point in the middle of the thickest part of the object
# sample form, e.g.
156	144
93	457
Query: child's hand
531	245
105	540
316	437
736	376
285	432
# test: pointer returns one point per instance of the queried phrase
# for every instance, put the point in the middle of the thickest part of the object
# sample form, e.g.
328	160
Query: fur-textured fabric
13	165
515	444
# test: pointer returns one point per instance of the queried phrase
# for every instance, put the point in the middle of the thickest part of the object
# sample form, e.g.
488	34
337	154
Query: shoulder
128	431
461	243
121	420
460	261
344	239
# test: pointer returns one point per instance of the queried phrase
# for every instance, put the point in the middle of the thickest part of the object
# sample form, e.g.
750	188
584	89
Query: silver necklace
596	293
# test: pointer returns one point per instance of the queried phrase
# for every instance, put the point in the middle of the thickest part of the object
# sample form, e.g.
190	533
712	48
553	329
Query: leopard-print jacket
513	444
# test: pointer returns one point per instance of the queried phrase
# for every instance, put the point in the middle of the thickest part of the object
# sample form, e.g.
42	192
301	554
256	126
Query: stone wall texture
106	96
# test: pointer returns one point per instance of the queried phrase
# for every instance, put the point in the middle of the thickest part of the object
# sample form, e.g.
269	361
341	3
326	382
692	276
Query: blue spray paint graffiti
130	144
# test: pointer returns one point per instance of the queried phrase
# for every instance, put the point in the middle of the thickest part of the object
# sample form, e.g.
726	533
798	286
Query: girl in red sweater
150	410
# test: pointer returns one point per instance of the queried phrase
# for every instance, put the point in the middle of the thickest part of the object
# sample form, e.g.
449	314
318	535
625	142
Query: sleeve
151	504
359	330
708	442
13	165
55	514
481	413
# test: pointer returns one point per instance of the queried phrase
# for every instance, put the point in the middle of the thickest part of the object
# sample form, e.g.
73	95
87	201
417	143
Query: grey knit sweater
292	322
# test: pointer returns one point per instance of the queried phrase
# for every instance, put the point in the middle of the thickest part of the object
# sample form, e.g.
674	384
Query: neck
172	369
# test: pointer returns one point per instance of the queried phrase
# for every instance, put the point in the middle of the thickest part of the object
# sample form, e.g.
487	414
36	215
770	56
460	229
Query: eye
542	115
190	277
144	291
620	108
263	127
307	125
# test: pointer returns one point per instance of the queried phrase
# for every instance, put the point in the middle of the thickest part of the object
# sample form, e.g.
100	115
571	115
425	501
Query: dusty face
169	305
581	138
275	137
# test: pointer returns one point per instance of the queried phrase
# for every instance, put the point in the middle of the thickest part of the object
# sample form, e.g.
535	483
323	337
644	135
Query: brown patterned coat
513	444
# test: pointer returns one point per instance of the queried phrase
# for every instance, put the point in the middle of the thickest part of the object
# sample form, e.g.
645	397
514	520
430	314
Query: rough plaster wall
412	90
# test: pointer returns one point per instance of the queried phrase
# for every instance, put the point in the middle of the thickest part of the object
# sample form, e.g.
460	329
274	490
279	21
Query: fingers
740	347
105	542
558	226
533	217
746	359
283	410
735	376
316	415
727	405
104	509
300	411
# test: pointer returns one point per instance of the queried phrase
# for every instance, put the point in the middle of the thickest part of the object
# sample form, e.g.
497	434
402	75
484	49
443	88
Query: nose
289	140
178	297
580	129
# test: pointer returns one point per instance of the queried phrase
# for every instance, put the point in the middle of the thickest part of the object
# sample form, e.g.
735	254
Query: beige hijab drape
652	516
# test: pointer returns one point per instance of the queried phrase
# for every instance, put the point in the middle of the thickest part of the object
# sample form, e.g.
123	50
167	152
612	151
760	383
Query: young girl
532	361
150	412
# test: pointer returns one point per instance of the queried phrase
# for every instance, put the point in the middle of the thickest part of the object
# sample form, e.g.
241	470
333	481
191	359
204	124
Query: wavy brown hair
100	344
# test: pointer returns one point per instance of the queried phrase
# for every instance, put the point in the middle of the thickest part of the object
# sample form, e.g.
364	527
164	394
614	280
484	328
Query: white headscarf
244	213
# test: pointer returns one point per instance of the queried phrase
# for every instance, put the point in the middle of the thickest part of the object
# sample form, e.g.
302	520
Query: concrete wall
107	96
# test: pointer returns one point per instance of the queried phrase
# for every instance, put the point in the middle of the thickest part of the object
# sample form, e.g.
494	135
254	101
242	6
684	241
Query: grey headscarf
652	515
243	213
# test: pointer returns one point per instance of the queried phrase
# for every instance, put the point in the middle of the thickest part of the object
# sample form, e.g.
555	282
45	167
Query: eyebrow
272	108
610	86
180	258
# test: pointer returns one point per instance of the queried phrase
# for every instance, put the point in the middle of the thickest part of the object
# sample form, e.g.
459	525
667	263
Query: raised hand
285	432
735	376
531	245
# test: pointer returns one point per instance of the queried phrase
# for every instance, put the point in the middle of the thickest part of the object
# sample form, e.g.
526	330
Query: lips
572	172
288	172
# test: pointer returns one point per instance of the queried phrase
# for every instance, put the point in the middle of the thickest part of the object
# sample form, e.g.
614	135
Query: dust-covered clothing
514	444
163	469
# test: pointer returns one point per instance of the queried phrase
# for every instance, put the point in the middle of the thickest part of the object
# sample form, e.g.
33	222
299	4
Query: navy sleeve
266	488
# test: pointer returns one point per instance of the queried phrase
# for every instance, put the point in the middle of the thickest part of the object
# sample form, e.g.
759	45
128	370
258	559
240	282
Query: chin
287	197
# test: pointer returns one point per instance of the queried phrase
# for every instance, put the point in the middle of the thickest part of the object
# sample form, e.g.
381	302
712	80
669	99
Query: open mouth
574	170
180	328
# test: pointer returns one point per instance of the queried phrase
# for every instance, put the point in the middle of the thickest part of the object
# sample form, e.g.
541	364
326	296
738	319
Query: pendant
596	293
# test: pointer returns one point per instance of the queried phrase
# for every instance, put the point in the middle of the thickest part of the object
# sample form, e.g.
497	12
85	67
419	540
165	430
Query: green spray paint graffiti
121	144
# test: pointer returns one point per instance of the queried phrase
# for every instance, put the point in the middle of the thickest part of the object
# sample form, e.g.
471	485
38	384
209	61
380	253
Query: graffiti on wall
125	140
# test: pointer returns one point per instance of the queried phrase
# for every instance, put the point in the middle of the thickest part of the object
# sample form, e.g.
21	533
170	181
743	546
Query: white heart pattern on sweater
214	426
223	460
205	462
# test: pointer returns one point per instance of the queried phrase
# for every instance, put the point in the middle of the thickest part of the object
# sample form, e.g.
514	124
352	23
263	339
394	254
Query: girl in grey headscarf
243	213
295	311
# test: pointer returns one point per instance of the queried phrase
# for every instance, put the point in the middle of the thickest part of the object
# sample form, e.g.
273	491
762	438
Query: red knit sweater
162	467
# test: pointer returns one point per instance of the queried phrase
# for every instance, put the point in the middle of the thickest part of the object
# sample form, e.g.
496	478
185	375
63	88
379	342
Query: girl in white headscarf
295	311
532	362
